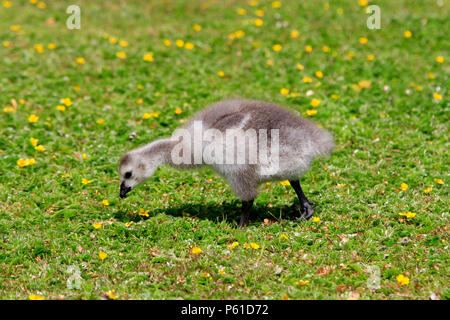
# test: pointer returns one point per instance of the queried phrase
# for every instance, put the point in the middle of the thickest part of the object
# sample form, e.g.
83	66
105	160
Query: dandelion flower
143	212
123	43
439	59
97	225
362	3
102	255
285	183
66	101
81	61
315	102
277	47
283	236
438	181
402	280
254	246
326	49
311	112
276	4
300	66
179	43
148	57
112	40
363	40
40	148
408	214
221	74
86	181
121	55
407	34
197	27
61	108
302	283
51	46
35	297
307	79
370	57
404	186
437	96
105	202
316	219
308	48
284	91
241	12
167	42
233	245
428	190
258	22
196	250
319	74
295	33
100	121
33	118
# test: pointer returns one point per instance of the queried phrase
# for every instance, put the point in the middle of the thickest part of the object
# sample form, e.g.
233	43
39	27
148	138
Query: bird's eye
128	175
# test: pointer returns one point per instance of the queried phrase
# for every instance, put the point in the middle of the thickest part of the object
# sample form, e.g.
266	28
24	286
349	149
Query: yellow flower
285	183
167	42
407	34
437	96
15	27
143	212
370	57
364	83
260	13
438	181
66	101
319	74
430	76
419	88
105	202
303	283
362	3
284	91
233	245
112	40
283	236
402	280
307	79
363	40
7	4
276	4
123	43
221	74
269	62
408	214
196	250
148	57
326	49
311	112
350	55
41	5
246	245
34	142
258	22
65	175
86	181
439	59
33	118
140	101
254	246
102	255
51	46
189	46
241	12
316	219
7	44
40	148
197	27
428	190
221	271
35	297
341	185
315	102
253	3
128	223
404	186
294	34
121	55
61	108
111	294
81	61
308	48
178	111
179	43
97	225
100	121
300	66
335	96
277	47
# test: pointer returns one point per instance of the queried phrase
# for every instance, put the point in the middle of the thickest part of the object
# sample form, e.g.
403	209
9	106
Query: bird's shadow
226	211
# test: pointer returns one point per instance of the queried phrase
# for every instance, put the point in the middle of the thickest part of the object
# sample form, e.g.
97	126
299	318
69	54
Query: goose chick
248	142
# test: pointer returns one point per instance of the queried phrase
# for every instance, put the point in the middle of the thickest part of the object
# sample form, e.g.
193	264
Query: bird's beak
124	190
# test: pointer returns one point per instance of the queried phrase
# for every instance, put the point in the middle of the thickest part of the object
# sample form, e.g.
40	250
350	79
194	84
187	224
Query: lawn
136	70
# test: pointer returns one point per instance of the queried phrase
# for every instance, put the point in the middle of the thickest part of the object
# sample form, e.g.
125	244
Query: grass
389	131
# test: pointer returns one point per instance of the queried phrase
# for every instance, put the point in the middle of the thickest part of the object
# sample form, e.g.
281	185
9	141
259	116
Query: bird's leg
246	206
306	205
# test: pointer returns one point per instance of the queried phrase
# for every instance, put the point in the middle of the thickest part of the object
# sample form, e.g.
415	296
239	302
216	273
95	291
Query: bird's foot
307	211
244	221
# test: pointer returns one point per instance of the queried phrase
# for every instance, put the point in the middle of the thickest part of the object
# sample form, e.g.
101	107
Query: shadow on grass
216	212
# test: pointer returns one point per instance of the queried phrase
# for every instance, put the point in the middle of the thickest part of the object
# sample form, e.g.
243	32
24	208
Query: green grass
385	136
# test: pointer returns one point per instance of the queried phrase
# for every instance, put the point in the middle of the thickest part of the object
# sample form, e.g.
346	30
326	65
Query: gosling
247	142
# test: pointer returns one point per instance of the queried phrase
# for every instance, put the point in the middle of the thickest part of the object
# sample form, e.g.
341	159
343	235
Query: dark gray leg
306	205
246	206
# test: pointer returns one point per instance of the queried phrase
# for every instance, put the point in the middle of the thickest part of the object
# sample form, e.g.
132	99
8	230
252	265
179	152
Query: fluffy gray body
300	142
